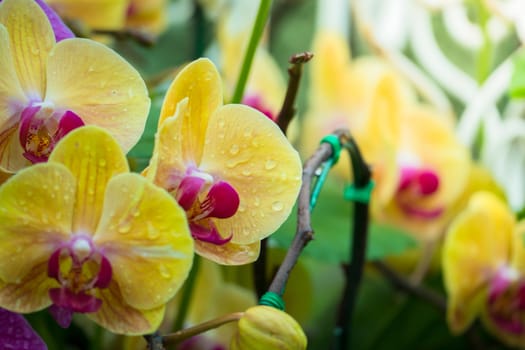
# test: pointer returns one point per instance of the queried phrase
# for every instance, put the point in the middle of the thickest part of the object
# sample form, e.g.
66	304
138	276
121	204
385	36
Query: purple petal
208	234
188	190
69	121
16	333
59	28
104	274
222	200
76	302
62	315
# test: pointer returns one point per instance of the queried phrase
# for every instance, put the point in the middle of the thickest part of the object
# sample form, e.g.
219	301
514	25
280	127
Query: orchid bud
266	328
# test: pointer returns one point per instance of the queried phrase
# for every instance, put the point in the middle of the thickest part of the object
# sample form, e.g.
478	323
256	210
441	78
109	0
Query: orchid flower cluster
81	234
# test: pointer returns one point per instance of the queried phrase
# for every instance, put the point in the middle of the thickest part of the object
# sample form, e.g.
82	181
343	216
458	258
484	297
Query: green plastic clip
361	194
333	140
272	299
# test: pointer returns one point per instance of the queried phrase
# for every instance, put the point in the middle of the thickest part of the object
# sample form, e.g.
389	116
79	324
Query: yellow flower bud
266	328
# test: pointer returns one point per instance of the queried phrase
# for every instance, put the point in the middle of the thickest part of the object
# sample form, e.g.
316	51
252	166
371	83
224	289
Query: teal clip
333	140
272	299
361	194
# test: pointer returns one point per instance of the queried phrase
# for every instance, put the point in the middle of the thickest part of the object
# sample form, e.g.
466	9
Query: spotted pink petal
62	315
76	302
16	333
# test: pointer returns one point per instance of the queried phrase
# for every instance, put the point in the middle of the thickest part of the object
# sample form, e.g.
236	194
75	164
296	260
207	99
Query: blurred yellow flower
49	88
419	166
148	15
95	238
483	265
229	167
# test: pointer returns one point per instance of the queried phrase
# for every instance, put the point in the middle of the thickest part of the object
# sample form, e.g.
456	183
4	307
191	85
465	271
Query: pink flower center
415	186
256	101
79	269
39	133
506	303
220	201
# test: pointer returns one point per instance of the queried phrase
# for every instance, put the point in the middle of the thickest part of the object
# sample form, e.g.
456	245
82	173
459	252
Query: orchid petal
428	131
11	94
16	333
94	157
247	150
328	69
30	294
100	87
144	234
200	83
120	318
59	28
11	152
31	38
98	14
477	244
35	216
168	154
229	253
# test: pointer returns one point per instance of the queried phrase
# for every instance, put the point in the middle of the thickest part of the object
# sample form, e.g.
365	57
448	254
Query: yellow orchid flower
99	14
95	238
149	15
48	88
484	269
419	166
229	167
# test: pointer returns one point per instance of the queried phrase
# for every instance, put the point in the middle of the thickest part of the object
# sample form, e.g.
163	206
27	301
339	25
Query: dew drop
246	172
277	206
221	123
35	51
102	163
153	233
256	201
231	163
164	271
234	150
124	228
270	164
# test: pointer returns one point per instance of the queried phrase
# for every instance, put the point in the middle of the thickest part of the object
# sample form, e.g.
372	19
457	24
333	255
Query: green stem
184	334
186	295
258	28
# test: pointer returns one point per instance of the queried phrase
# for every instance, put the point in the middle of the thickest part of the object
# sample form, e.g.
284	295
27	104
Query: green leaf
331	221
517	83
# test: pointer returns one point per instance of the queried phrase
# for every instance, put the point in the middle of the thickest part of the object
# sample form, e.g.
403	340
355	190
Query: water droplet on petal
234	150
270	164
256	201
124	228
277	206
164	271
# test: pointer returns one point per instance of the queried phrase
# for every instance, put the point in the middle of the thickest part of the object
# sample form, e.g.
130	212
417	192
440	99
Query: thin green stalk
184	334
258	28
187	292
